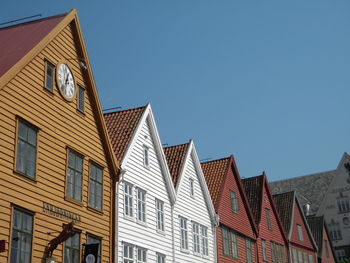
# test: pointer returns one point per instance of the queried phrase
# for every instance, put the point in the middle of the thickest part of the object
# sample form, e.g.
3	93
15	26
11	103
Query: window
343	204
234	245
146	156
191	187
80	99
22	233
326	247
268	219
334	231
128	200
230	245
141	255
160	258
141	205
248	247
183	233
95	187
263	245
273	252
225	240
311	259
160	215
340	255
305	256
195	236
128	253
75	175
234	202
300	233
26	149
204	232
49	76
295	255
96	240
300	256
72	249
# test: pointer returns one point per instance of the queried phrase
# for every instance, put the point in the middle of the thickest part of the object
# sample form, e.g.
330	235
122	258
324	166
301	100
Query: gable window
160	258
204	234
81	99
72	249
343	204
230	245
300	233
249	255
191	187
160	215
141	205
95	240
22	234
49	75
75	175
95	187
141	255
26	149
325	243
146	156
195	235
183	233
268	219
128	253
334	231
128	200
263	245
234	202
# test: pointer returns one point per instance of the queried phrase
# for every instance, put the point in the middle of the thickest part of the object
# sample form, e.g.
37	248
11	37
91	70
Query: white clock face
65	81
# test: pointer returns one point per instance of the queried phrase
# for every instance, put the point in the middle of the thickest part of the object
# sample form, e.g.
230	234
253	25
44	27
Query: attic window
234	202
49	75
146	156
191	188
80	99
300	233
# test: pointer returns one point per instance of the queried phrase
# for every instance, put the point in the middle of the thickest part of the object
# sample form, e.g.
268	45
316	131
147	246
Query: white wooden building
194	214
145	193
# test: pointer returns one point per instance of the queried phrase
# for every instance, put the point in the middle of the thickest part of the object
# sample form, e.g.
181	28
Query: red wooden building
236	233
302	247
271	242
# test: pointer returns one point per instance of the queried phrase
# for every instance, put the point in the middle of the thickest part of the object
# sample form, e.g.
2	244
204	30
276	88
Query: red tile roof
215	173
284	203
175	156
16	41
253	187
121	126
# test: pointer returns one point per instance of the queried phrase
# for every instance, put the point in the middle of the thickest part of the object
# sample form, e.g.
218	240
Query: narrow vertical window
75	175
26	149
295	255
273	255
160	258
160	215
263	245
141	255
300	233
300	256
191	187
234	202
268	219
234	245
326	247
204	235
128	253
305	257
146	156
49	76
249	255
72	249
311	259
195	236
141	205
128	200
226	245
183	233
96	240
95	187
81	99
22	234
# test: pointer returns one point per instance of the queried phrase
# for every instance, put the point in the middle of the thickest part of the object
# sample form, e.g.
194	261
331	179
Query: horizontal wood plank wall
151	180
61	125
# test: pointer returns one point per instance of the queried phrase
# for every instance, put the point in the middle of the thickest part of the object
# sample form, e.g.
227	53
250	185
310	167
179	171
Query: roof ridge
216	160
177	145
287	192
34	21
137	108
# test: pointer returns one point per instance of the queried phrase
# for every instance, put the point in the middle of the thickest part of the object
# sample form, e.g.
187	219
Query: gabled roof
177	157
215	173
253	187
284	204
121	126
16	41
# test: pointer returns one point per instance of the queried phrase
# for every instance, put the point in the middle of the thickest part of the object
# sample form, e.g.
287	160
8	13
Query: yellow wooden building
57	165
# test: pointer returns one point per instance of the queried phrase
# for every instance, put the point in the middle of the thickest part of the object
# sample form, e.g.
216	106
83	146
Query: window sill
160	232
81	112
26	177
141	223
186	251
130	218
95	210
79	203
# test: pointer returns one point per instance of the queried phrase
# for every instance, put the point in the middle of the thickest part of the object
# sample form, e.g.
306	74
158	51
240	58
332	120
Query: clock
65	81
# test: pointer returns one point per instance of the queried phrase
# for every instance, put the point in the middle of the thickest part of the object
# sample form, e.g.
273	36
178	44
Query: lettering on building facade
60	212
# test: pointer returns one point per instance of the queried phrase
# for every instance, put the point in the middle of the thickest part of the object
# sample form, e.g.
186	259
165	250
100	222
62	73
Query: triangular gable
124	128
45	31
253	187
285	205
191	153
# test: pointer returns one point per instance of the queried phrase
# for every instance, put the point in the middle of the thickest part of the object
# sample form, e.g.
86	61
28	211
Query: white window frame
129	256
160	258
195	238
183	233
141	205
300	232
311	258
343	204
204	243
146	156
128	200
160	225
191	187
141	255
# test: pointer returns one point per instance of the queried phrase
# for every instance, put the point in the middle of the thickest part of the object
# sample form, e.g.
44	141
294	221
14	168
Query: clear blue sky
267	81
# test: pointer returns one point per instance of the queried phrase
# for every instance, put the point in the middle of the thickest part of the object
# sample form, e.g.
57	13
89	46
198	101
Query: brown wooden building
56	161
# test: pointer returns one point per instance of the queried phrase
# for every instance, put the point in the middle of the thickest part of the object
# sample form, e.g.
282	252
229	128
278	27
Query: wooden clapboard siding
193	209
61	127
151	180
